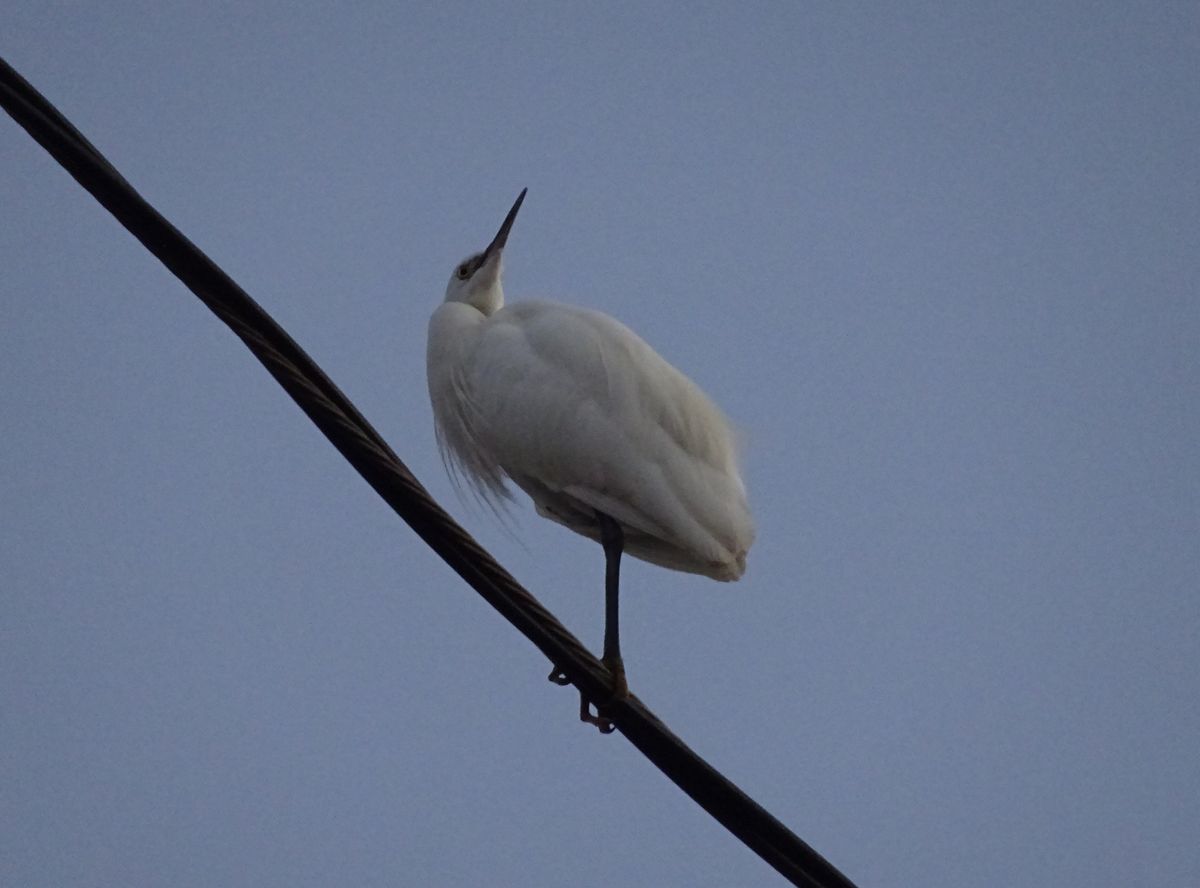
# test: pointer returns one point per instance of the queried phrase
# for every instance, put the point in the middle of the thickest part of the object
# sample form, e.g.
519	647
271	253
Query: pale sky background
938	261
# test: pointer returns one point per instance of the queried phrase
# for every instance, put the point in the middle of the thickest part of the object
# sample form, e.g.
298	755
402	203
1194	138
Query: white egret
606	437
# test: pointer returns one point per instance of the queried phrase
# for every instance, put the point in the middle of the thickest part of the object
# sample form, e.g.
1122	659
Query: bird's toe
602	722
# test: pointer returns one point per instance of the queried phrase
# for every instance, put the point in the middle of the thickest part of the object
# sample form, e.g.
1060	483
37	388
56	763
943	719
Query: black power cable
366	450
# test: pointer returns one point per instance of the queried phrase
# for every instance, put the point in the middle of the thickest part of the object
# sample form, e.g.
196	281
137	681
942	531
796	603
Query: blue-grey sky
938	261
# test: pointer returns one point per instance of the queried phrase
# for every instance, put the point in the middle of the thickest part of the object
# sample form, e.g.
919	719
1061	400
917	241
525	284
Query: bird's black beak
501	237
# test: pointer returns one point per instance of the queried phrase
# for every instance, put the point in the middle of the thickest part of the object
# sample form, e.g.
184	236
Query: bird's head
476	280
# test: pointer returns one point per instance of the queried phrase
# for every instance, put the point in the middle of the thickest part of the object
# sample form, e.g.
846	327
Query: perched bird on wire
606	437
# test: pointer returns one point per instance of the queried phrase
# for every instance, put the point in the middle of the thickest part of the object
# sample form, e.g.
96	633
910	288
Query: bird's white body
585	417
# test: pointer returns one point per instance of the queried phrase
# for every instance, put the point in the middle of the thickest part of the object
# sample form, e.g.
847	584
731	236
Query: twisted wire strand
365	449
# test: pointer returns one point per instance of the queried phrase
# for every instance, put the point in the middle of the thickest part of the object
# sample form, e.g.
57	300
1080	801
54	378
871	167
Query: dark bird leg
613	541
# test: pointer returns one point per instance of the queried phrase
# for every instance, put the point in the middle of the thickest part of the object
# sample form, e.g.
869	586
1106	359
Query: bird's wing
573	402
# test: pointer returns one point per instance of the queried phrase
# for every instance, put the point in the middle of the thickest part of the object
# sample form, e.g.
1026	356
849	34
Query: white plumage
580	413
605	436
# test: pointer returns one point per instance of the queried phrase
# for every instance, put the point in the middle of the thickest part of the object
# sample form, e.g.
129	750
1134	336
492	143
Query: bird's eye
463	271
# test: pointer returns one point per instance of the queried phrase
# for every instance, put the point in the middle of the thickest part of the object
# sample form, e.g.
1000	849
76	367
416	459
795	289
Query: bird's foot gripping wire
620	690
